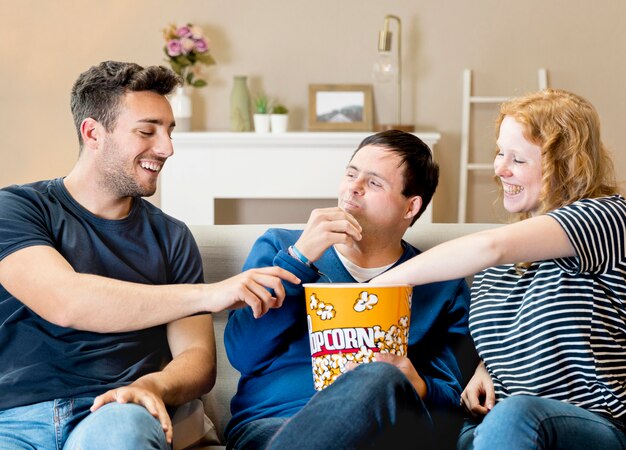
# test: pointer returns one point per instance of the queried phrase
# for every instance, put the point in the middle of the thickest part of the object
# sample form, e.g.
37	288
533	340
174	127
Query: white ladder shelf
466	165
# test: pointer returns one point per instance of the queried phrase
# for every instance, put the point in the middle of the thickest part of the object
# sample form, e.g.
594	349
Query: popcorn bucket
352	322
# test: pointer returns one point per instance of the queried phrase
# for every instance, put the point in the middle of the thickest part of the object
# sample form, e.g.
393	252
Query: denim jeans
371	407
528	422
68	424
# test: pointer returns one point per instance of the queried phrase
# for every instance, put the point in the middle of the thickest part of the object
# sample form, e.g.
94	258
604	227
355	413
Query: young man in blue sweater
387	185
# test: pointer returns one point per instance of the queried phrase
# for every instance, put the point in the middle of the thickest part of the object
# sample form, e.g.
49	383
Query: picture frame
340	107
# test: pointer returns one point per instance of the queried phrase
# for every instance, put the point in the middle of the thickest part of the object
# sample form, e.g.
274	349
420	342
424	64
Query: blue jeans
373	406
68	424
528	422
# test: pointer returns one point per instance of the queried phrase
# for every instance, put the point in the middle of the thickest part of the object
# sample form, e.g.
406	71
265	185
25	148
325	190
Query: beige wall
285	45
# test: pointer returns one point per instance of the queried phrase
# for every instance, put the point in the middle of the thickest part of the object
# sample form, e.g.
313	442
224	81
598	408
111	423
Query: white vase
181	107
279	122
261	123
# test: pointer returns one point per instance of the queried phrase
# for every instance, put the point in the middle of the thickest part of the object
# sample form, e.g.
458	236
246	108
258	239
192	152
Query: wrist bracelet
295	254
303	259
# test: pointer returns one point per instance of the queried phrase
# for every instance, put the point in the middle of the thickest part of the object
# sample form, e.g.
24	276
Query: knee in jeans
516	408
369	376
127	425
375	371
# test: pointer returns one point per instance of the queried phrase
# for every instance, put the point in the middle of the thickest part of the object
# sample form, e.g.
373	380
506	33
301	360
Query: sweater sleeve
444	351
252	344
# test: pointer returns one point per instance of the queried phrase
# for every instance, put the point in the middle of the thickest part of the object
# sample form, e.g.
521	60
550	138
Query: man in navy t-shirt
101	293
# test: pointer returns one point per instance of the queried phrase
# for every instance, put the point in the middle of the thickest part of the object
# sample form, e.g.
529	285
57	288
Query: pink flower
201	46
183	31
174	47
187	49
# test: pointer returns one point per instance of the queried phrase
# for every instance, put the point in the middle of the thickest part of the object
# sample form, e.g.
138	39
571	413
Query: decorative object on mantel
279	117
186	49
385	70
340	107
181	108
261	113
240	105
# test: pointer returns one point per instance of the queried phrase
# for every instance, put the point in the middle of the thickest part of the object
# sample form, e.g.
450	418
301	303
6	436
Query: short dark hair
421	172
98	91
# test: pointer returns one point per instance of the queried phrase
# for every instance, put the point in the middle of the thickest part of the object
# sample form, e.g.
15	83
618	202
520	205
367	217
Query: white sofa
224	249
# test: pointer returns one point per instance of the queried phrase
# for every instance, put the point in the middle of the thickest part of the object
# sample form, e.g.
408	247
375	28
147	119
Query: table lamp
385	69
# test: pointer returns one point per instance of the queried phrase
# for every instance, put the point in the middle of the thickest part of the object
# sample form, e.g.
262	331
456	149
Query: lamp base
395	126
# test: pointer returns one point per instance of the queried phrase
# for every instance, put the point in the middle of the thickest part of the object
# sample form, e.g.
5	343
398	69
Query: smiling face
132	155
371	190
518	165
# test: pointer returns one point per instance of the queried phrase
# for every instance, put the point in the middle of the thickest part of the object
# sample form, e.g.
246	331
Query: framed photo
340	107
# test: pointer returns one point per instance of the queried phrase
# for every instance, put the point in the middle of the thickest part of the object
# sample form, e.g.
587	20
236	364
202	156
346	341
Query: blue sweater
273	356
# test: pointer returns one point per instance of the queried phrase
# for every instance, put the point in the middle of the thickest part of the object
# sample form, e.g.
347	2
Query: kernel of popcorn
365	301
314	301
362	353
336	360
326	313
378	333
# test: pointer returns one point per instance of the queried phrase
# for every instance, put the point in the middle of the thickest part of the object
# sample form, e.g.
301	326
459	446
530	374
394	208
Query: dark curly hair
98	91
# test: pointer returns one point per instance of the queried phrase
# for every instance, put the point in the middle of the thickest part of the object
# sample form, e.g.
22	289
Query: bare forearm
104	305
534	239
457	258
44	281
188	376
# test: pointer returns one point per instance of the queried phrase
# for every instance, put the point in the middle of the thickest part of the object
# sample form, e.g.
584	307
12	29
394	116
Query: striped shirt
559	330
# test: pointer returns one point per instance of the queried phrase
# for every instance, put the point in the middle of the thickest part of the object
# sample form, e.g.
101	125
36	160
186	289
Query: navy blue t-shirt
40	361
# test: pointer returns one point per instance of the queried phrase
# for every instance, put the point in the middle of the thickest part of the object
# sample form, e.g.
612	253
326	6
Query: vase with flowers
187	50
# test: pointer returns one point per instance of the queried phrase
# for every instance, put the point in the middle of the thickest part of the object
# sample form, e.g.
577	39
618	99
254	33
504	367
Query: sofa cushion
192	427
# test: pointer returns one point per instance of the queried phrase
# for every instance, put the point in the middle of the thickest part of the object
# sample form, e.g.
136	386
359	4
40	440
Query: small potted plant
279	118
261	114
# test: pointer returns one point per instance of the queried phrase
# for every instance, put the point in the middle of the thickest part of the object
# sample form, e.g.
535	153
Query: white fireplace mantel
226	165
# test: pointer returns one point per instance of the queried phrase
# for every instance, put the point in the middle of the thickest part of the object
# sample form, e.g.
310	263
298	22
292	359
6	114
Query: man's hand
325	228
479	397
144	397
252	288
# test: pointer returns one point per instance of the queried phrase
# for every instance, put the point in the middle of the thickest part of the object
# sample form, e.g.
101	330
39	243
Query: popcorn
365	301
343	329
327	367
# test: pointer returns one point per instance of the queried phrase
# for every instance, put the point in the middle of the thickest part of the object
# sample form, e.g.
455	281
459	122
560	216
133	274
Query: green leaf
176	67
205	58
198	83
182	60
